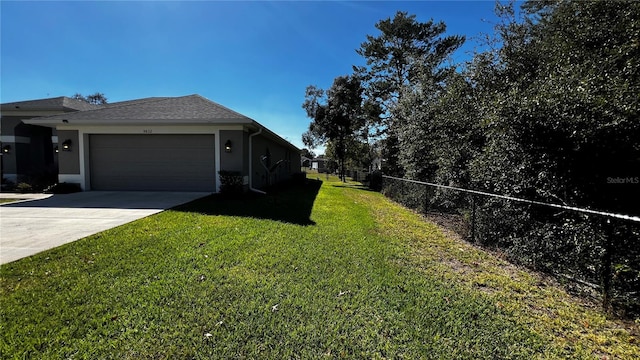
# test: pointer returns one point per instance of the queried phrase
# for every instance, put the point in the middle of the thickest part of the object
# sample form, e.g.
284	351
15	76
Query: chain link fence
590	251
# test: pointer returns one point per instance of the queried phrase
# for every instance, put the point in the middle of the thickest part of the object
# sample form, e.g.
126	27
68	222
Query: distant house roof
191	108
61	103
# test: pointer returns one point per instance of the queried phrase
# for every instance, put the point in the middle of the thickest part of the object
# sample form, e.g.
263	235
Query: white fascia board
182	122
149	129
34	113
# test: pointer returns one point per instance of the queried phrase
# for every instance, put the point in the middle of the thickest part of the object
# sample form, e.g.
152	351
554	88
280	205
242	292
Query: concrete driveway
35	225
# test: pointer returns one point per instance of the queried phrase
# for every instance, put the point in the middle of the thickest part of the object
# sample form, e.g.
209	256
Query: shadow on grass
287	203
354	186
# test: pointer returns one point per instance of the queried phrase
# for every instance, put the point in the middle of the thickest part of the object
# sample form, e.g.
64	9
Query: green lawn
323	271
2	201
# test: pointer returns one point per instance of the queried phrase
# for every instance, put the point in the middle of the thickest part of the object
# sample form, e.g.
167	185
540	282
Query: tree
308	153
549	113
338	115
404	51
97	99
358	153
559	105
440	134
587	93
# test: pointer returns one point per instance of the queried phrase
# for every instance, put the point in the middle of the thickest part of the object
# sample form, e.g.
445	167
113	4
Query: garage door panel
152	162
151	183
176	163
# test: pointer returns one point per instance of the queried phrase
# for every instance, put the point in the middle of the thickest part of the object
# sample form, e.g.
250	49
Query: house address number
147	131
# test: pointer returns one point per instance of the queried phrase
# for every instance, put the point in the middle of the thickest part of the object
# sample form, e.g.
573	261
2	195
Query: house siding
69	161
9	163
234	160
262	146
18	151
296	161
38	159
9	124
31	153
245	152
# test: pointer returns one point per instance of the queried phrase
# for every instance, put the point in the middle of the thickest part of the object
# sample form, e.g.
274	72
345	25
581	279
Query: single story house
29	150
320	164
166	144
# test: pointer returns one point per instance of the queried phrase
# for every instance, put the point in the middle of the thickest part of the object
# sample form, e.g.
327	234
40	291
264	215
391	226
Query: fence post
473	218
606	272
426	199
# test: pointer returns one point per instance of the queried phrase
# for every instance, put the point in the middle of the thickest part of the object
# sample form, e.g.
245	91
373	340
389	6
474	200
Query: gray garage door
152	162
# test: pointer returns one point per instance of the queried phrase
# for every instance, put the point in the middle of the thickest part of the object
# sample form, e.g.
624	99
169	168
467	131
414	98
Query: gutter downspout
251	162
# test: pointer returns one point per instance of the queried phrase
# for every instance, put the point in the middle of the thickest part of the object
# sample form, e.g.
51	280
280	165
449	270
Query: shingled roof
60	103
191	108
182	110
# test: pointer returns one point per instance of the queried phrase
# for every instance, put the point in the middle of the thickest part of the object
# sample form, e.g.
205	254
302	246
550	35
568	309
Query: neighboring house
319	164
166	144
305	161
29	151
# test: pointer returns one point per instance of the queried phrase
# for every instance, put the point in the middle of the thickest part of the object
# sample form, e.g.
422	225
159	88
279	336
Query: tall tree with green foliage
441	133
405	50
338	115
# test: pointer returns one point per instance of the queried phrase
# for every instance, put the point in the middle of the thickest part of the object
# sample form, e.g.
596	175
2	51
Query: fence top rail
533	202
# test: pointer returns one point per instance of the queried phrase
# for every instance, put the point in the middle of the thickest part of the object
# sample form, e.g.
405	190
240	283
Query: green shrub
24	188
231	182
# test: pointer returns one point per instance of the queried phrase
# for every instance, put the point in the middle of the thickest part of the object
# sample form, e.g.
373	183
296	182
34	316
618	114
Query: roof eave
177	122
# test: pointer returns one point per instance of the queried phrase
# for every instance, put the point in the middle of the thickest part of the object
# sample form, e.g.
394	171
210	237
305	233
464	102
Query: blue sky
255	57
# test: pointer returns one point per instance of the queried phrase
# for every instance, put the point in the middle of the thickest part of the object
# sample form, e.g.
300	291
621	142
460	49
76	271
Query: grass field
2	201
328	270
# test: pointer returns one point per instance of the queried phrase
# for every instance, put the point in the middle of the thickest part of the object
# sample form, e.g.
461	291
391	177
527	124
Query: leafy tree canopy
97	99
404	51
308	153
